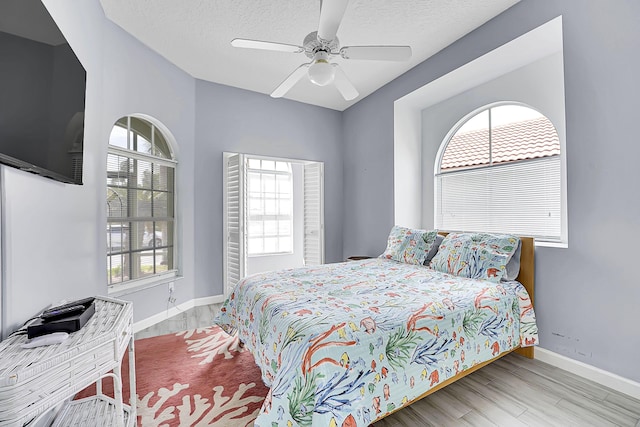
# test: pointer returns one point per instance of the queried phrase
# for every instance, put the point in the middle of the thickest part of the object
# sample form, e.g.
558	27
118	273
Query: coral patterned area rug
194	378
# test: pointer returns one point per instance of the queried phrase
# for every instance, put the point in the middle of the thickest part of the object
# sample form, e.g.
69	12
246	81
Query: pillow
434	249
408	245
513	266
475	255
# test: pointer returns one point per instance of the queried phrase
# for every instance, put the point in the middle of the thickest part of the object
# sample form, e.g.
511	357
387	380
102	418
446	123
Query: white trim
277	159
136	285
564	245
215	299
602	377
175	310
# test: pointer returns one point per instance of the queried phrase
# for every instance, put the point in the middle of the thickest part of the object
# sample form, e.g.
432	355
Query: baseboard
175	310
605	378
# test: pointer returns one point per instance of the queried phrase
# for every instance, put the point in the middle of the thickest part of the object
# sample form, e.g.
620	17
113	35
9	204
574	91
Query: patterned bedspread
344	344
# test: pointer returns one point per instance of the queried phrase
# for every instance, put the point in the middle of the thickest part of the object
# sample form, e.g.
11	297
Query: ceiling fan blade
331	13
290	81
344	85
377	53
258	44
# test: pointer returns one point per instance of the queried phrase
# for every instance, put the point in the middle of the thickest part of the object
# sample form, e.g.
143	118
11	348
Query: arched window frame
561	240
162	246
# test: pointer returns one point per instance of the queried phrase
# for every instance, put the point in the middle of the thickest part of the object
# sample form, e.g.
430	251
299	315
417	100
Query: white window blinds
521	198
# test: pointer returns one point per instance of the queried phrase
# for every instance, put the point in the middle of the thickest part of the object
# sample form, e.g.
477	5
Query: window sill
137	285
270	254
542	244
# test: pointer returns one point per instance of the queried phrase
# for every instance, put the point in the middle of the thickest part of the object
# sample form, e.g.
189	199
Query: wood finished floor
515	391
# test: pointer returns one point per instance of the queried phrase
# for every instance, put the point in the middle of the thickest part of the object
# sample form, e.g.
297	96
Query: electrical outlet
171	288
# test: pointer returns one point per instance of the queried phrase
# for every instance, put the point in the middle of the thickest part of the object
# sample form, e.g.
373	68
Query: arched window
140	203
500	171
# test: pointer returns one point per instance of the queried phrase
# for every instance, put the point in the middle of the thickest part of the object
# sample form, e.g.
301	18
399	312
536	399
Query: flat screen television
42	94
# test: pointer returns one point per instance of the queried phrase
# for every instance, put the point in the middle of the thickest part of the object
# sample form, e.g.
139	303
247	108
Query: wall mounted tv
42	94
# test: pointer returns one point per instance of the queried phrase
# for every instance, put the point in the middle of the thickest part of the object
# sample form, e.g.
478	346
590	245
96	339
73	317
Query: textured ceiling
196	34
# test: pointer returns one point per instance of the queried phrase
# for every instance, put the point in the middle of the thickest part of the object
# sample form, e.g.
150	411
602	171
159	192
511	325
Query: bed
346	344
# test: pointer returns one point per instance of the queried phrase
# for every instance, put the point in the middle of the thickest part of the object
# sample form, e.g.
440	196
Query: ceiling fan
320	46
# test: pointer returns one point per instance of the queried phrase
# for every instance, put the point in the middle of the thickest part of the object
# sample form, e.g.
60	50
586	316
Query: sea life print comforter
344	344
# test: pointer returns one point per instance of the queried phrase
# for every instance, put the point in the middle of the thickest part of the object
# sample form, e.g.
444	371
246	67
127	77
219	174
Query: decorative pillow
408	245
434	249
475	255
513	266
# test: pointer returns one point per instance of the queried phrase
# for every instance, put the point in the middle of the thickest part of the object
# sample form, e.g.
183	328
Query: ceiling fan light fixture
321	72
319	45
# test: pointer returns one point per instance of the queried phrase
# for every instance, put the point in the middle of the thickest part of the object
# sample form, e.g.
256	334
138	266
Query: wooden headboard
526	277
527	265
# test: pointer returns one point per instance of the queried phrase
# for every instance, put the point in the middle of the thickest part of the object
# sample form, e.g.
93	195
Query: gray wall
586	295
54	239
240	121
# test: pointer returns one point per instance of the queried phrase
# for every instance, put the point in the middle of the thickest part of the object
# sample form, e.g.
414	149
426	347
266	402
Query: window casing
234	204
500	171
140	204
270	207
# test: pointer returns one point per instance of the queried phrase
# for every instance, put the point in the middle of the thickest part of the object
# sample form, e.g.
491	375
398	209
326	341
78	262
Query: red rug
193	378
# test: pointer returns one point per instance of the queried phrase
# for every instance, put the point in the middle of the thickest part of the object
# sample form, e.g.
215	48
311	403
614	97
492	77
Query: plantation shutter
313	214
234	220
522	198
